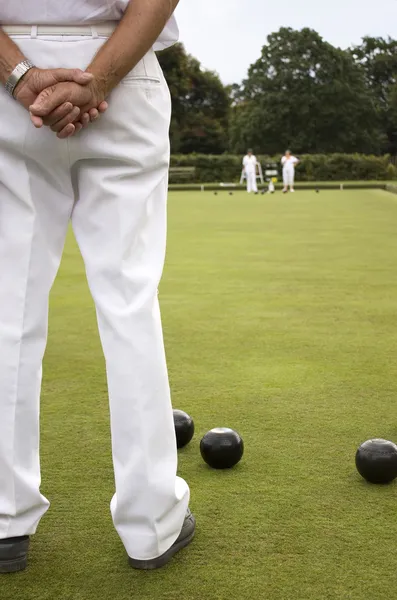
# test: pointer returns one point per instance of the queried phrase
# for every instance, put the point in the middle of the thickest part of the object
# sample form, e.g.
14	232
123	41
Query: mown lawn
280	319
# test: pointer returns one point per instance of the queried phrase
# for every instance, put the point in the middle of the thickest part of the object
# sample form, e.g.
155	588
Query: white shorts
288	176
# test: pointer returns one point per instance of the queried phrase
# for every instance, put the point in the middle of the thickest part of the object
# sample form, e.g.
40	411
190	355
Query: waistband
97	30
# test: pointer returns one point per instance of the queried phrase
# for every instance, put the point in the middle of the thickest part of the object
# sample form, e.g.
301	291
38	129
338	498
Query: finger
59	113
48	100
76	75
37	121
66	131
72	116
78	127
85	119
103	107
93	115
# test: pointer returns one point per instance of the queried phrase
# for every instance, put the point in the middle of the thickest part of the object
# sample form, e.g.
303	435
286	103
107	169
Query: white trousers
111	182
288	177
251	181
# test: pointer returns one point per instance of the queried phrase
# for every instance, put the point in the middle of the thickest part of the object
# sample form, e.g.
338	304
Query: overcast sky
227	35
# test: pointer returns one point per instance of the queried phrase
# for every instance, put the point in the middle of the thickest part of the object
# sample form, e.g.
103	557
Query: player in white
249	165
289	163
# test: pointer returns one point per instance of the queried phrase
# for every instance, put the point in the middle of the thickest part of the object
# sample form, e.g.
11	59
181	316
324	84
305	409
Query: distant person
249	166
289	163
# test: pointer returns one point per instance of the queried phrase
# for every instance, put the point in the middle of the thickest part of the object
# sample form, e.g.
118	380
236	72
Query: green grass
280	319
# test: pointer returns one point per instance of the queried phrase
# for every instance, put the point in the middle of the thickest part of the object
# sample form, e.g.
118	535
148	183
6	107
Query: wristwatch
17	74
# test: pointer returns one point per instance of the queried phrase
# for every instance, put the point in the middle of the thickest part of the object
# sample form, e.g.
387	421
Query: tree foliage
302	92
201	104
378	59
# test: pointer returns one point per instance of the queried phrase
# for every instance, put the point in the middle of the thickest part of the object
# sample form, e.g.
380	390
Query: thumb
76	75
37	121
49	99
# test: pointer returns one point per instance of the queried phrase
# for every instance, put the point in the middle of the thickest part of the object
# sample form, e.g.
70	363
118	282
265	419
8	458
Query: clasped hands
66	100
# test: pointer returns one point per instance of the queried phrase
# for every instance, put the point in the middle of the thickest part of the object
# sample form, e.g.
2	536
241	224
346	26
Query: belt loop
33	32
94	32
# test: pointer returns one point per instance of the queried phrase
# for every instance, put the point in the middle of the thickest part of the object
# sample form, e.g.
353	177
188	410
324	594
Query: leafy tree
378	59
201	104
305	94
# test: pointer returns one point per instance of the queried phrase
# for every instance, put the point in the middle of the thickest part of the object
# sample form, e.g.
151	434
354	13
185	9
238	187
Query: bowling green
280	321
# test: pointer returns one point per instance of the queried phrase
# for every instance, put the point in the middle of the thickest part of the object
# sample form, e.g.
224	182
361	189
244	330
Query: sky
227	35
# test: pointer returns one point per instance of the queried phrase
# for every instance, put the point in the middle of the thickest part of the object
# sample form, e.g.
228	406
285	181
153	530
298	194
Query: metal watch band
17	74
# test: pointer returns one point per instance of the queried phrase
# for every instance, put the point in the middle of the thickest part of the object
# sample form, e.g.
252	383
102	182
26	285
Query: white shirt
289	163
250	163
74	12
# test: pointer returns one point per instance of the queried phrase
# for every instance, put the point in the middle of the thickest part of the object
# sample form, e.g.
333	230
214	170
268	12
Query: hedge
319	167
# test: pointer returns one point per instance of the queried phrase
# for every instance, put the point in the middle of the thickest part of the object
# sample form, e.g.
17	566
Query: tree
201	104
378	59
305	94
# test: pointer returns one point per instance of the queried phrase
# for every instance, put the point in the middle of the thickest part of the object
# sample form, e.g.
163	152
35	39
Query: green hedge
392	189
319	167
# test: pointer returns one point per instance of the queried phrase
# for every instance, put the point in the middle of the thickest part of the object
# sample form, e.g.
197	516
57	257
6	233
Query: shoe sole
161	561
13	566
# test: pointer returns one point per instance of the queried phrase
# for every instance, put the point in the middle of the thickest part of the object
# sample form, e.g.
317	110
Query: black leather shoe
185	537
14	554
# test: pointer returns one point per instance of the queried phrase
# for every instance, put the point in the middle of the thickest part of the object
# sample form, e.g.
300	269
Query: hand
36	80
59	125
85	98
85	119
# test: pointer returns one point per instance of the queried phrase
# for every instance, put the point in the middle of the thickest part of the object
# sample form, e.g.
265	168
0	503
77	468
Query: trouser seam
19	360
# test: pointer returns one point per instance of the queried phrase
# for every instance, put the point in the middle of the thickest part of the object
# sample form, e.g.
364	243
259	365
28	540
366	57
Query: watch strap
20	70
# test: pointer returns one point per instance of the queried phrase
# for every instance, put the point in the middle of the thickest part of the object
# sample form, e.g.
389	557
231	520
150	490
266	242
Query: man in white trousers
289	163
249	166
66	63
